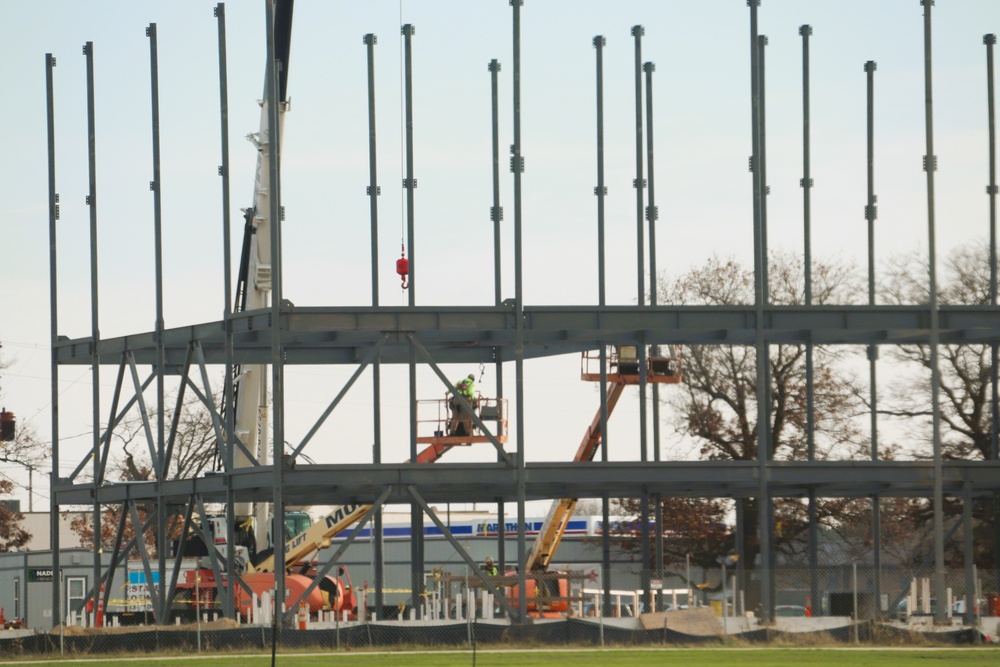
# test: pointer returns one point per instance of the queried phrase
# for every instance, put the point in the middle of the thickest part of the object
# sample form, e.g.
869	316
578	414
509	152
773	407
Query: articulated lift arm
561	512
318	535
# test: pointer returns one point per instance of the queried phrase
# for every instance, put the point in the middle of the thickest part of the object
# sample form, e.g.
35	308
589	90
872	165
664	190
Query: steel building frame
509	331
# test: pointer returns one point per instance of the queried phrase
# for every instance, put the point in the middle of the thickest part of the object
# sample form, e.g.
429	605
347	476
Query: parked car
789	610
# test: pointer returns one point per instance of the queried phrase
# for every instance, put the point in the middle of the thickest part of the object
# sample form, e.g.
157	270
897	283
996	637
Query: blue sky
703	189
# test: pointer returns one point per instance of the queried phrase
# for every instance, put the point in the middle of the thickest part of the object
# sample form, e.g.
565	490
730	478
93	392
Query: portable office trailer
26	580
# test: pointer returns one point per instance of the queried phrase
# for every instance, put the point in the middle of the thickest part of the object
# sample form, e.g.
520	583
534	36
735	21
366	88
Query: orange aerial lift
334	593
548	595
437	417
319	534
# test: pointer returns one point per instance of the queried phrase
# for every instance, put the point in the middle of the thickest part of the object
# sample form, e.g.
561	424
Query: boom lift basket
623	365
436	422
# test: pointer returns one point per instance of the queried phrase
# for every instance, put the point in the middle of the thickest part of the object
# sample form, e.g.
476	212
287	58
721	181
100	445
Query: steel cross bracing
463	334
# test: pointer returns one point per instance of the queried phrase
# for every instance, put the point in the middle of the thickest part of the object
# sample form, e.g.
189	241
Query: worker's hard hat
472	376
489	560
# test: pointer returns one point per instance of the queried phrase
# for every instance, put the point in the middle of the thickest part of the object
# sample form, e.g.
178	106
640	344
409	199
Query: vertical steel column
740	551
160	465
760	267
517	166
374	190
806	183
871	212
652	215
95	362
969	617
50	63
409	183
930	165
764	187
277	364
496	216
228	388
765	277
416	513
370	40
637	32
990	40
991	190
496	211
601	191
639	184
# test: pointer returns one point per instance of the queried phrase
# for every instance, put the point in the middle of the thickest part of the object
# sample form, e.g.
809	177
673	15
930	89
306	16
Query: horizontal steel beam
485	482
469	334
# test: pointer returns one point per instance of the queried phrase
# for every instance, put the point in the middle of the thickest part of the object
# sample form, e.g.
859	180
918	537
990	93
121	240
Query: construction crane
549	595
250	409
253	528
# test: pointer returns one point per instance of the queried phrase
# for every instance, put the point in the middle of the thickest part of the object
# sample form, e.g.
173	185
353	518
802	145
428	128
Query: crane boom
250	411
554	526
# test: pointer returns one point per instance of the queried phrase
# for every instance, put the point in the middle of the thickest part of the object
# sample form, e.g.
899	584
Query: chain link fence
829	604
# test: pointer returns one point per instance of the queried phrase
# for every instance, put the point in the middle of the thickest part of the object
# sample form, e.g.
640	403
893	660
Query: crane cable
402	155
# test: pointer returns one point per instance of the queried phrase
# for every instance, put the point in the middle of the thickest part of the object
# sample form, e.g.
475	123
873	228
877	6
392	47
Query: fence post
977	609
601	633
854	611
725	606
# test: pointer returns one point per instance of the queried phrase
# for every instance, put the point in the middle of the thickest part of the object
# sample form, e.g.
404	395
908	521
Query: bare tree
25	450
193	453
714	409
965	369
12	535
965	383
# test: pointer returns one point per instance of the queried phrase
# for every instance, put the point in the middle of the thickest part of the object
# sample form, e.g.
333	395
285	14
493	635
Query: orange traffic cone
303	616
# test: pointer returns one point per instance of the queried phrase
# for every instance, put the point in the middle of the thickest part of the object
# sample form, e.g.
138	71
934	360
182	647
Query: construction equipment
331	594
435	416
318	535
547	593
253	289
250	409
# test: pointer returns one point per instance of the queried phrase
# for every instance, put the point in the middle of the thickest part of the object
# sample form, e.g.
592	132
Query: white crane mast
252	413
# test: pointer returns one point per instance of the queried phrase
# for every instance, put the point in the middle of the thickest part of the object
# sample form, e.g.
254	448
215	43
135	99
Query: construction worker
489	568
462	424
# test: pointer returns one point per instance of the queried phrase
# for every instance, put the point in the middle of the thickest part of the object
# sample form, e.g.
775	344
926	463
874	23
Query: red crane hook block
403	269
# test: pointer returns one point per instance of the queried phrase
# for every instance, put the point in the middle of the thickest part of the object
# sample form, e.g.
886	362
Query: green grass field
714	657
